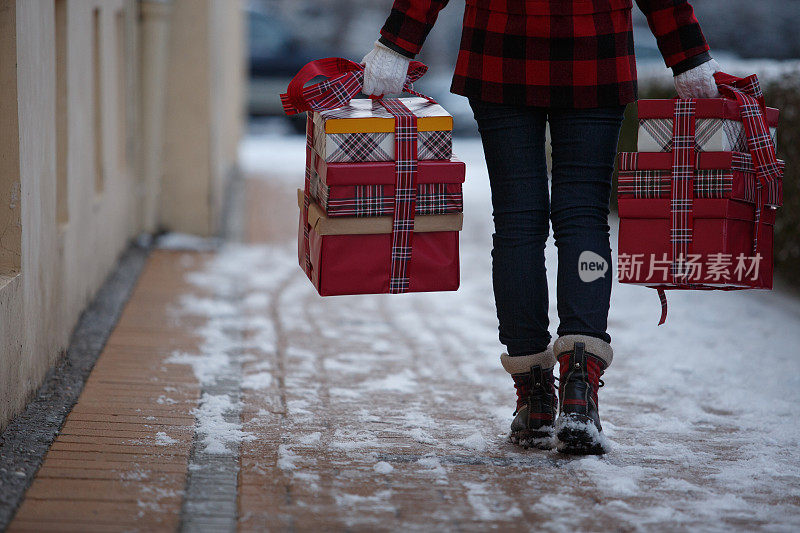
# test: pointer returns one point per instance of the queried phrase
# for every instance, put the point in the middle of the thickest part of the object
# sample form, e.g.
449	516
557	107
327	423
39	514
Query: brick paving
106	470
380	413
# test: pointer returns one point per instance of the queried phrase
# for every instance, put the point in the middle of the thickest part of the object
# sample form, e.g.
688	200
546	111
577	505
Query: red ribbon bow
346	79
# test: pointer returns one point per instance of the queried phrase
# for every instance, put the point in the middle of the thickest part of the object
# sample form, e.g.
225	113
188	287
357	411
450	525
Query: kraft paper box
363	130
718	126
325	225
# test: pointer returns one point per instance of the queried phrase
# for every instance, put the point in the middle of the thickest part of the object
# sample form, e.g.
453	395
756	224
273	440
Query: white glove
699	81
385	71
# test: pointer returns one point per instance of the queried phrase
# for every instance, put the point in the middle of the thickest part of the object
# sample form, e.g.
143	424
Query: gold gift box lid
368	116
325	225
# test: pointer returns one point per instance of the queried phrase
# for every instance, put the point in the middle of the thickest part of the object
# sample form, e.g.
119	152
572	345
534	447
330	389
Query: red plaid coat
551	53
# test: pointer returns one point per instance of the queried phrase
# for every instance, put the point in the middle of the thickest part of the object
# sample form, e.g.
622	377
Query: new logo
591	266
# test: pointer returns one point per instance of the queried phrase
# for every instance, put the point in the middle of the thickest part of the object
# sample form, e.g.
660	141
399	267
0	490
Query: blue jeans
584	146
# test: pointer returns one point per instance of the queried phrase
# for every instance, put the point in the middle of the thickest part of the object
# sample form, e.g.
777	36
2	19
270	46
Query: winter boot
536	399
582	360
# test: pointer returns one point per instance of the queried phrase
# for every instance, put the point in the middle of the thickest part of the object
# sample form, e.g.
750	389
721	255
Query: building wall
204	104
71	155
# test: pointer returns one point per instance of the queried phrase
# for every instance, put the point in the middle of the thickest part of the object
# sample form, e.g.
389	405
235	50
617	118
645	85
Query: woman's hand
699	81
385	71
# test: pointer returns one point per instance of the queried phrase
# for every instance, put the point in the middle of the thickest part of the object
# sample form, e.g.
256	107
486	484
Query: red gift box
648	175
351	255
721	253
366	189
697	219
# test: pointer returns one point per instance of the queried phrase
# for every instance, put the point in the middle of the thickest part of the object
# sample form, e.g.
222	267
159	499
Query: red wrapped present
369	254
368	189
350	255
721	255
694	220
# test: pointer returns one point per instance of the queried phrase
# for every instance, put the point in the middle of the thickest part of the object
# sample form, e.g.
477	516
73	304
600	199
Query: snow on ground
700	411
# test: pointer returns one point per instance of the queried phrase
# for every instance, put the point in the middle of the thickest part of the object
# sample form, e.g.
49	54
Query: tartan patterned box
721	253
731	175
718	125
351	255
367	189
363	130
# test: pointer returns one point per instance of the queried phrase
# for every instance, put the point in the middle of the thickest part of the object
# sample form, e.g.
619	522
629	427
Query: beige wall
204	105
71	159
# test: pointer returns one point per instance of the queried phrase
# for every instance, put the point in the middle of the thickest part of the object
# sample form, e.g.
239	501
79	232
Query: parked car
275	56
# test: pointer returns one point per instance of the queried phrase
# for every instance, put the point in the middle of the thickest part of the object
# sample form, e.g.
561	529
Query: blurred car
275	56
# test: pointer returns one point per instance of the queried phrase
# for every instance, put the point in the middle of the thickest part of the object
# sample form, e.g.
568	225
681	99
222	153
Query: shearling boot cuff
597	347
523	363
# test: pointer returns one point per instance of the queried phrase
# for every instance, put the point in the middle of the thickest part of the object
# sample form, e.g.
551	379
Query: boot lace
528	391
566	379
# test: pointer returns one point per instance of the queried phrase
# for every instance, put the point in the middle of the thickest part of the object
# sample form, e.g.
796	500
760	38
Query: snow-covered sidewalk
395	408
231	396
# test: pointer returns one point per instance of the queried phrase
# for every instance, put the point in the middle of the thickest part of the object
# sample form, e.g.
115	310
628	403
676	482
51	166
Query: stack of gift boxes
725	246
345	241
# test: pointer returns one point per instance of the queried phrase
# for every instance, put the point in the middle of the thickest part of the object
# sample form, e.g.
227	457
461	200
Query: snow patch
187	242
404	382
311	439
262	380
383	467
162	439
218	434
286	458
474	442
488	506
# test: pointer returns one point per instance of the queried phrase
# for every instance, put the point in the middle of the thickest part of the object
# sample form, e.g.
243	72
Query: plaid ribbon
761	146
645	184
346	82
309	175
683	162
405	191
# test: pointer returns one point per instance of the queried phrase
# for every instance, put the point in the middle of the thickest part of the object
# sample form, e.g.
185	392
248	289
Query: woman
569	63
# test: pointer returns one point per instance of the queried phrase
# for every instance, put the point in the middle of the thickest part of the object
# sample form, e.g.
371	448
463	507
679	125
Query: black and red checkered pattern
551	53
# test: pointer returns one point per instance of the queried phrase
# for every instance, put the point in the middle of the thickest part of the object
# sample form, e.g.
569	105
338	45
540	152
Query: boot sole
540	439
576	436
